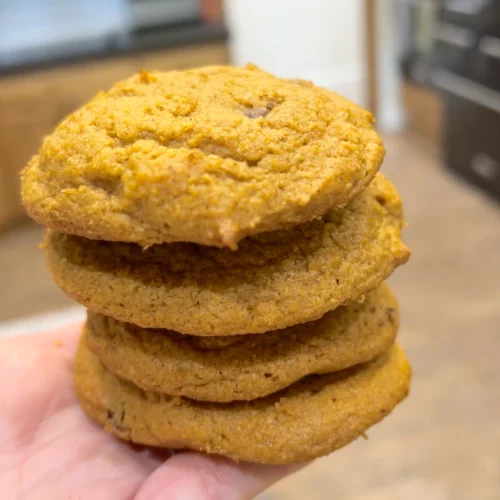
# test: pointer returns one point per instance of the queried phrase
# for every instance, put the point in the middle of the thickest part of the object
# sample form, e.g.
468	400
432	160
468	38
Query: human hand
49	450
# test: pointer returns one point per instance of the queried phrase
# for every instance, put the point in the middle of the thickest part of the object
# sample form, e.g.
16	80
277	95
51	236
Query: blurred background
430	72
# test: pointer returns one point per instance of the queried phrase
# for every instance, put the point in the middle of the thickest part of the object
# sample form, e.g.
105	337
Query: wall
320	40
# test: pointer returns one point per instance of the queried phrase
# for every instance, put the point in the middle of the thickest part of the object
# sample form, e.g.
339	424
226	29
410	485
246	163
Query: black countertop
158	39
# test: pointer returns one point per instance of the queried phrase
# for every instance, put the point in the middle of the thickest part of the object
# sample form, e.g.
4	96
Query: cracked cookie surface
245	367
311	418
208	155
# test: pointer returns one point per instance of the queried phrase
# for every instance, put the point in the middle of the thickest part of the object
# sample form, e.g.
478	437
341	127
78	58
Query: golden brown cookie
244	367
207	155
309	419
273	281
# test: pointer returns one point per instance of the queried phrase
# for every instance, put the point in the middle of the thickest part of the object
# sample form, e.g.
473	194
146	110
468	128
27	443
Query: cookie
309	419
273	281
208	155
245	367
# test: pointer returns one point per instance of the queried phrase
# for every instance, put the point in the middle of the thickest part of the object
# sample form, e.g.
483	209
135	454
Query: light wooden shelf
32	104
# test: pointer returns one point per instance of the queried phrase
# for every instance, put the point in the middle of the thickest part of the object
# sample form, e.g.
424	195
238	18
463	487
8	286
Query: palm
50	450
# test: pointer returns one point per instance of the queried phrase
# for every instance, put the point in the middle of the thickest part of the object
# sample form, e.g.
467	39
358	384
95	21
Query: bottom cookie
311	418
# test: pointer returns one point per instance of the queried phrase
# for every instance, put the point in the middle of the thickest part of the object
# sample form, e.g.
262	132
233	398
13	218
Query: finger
40	368
192	476
64	340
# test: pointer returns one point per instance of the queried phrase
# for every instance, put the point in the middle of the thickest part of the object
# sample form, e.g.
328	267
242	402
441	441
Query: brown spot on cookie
109	185
118	425
315	390
258	112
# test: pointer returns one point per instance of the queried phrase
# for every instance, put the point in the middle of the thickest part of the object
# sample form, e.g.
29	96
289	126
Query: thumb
192	476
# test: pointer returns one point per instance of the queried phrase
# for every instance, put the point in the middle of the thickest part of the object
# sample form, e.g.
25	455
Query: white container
319	40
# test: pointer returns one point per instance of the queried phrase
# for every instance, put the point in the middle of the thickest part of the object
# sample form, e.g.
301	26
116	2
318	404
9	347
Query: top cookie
209	155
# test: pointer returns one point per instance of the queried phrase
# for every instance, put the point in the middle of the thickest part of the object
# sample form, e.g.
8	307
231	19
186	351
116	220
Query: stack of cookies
230	236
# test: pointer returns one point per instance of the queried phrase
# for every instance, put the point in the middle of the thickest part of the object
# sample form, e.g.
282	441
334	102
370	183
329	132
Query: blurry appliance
416	23
467	71
150	14
450	57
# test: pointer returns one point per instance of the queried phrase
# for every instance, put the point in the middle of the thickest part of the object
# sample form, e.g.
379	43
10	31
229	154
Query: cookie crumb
146	77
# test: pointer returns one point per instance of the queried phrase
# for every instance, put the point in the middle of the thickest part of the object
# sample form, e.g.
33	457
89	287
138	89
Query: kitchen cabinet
32	103
466	71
